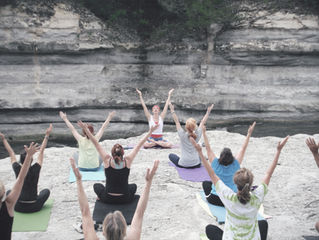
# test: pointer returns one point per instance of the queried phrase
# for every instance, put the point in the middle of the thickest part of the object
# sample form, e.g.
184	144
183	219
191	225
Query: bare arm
240	155
8	148
313	147
178	125
210	153
107	121
136	226
16	190
130	157
209	169
147	113
163	114
87	221
75	133
104	155
204	120
44	145
273	165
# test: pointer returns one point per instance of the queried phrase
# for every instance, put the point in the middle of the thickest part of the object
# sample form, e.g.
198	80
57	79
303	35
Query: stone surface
173	212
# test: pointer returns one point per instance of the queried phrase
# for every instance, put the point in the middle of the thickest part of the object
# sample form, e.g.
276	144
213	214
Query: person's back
241	218
88	155
29	190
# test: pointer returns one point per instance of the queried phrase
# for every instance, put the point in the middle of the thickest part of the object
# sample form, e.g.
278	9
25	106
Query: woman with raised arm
242	207
29	200
117	169
156	139
225	167
313	147
8	202
114	225
87	158
189	157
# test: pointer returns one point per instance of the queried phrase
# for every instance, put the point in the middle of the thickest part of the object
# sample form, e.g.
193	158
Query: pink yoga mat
192	174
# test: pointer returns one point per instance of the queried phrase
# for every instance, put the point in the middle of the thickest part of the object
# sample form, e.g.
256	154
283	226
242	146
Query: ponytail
190	127
243	178
117	153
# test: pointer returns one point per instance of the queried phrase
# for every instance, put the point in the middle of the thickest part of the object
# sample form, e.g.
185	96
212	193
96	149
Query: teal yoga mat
89	175
33	222
218	212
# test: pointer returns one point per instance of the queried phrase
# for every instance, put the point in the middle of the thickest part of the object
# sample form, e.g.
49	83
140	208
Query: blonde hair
243	178
2	190
114	226
191	127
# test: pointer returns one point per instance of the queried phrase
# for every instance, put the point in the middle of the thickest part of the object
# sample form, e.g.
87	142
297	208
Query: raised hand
150	173
82	125
209	109
62	115
2	136
282	143
311	143
203	128
153	128
49	130
195	144
32	149
139	92
170	92
251	128
75	169
111	115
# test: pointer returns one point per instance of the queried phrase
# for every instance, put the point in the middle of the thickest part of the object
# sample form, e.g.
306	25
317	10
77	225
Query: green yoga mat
33	222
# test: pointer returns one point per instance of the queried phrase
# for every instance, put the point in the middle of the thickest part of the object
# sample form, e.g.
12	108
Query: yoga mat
203	236
219	213
131	146
102	209
311	237
33	222
192	174
98	175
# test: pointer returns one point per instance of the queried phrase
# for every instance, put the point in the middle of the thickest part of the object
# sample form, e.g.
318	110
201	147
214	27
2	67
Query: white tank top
159	130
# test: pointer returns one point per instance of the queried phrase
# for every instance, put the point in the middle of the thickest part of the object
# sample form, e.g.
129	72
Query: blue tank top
117	179
226	174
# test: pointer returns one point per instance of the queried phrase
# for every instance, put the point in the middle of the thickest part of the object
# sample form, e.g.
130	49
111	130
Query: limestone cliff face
266	68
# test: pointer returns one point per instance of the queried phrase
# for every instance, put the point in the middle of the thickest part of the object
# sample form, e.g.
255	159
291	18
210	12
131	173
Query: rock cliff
264	68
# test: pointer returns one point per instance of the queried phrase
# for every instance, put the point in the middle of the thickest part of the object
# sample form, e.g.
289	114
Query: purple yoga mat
194	174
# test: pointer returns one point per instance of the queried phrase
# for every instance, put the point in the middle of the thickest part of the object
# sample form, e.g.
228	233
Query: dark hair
117	153
23	155
90	127
243	178
226	157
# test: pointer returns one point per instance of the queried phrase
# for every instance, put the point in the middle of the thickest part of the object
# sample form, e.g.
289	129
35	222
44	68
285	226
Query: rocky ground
173	211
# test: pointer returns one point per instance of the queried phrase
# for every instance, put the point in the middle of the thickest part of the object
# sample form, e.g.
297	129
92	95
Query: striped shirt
241	219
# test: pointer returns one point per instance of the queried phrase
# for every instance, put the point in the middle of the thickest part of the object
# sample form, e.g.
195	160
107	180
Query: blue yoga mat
88	175
217	211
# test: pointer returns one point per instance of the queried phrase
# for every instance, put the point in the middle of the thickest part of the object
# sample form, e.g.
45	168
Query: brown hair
226	157
243	178
190	127
117	153
90	127
114	226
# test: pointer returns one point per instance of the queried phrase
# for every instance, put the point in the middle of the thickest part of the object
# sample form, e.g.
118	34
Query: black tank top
5	222
117	179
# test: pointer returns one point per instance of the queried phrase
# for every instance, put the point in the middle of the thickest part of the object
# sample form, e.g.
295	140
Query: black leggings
215	233
211	198
33	207
174	159
102	194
